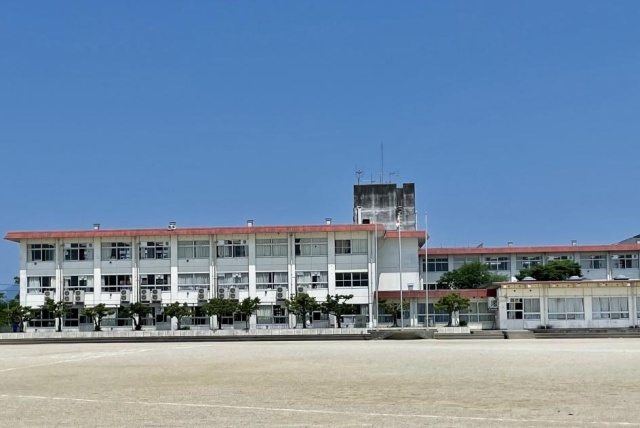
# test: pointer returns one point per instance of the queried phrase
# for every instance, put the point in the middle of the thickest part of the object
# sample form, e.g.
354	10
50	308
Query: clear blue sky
518	121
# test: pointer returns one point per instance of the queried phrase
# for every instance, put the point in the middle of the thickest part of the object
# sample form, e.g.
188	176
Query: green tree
302	305
96	313
247	307
337	306
135	311
20	315
219	307
58	309
178	311
452	303
470	275
394	309
4	310
556	270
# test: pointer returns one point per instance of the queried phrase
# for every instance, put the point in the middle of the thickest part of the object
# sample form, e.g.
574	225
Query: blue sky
518	121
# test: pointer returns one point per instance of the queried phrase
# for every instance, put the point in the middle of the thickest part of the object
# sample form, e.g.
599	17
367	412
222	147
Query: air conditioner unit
301	289
78	297
125	296
156	295
281	293
67	296
202	294
48	294
492	303
233	293
145	295
222	293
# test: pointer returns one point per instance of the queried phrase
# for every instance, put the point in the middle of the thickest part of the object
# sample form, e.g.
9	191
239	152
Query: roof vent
510	244
621	278
574	242
172	225
249	223
528	278
328	221
575	278
96	226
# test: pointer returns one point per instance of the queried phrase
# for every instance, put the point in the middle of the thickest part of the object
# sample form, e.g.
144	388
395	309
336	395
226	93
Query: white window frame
78	252
311	247
562	311
155	250
193	281
272	247
614	308
232	248
271	280
116	251
40	252
352	279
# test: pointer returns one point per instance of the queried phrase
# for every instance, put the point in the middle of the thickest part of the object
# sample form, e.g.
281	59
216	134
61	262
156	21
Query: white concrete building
162	266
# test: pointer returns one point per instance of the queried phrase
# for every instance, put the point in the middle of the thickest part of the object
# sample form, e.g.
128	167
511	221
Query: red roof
17	236
531	250
435	294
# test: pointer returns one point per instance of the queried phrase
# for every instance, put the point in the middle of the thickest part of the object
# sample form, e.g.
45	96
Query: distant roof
531	250
632	240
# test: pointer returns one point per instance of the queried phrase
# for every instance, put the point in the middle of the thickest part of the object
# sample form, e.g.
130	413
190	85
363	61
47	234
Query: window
527	262
40	284
151	250
352	279
271	247
593	261
477	312
193	281
313	280
531	309
239	280
523	308
614	308
42	319
566	308
624	261
311	246
193	249
84	282
351	246
115	283
437	264
271	280
461	261
78	252
158	281
232	248
272	315
116	251
558	257
502	263
41	252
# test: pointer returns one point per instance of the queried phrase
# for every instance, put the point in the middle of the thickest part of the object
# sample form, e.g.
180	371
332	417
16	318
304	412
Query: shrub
463	323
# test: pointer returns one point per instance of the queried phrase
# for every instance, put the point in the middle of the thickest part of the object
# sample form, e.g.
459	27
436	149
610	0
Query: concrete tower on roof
384	203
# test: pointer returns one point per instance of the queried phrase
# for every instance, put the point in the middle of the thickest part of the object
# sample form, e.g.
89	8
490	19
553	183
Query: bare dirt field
338	384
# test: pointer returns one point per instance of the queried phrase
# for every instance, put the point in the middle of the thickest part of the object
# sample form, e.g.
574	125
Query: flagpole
399	223
426	272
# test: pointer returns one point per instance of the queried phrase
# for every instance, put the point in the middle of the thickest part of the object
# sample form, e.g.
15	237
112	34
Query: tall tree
452	303
556	270
136	311
394	309
179	311
96	314
58	309
302	305
219	308
247	307
470	275
337	306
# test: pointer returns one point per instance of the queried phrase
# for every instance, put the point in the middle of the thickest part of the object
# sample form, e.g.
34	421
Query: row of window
503	263
199	249
195	281
570	308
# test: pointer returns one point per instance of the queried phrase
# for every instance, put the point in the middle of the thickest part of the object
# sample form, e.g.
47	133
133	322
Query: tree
57	309
96	313
247	307
179	311
302	305
394	309
556	270
337	305
219	307
451	303
135	311
470	275
20	314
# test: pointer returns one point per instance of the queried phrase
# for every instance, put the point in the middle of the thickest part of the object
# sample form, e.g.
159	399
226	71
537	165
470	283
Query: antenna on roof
381	163
359	174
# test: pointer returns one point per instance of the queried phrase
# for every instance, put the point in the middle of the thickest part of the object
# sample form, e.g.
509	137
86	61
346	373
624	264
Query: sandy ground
338	384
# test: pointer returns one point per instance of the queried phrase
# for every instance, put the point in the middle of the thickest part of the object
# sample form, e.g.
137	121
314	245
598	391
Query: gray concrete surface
524	383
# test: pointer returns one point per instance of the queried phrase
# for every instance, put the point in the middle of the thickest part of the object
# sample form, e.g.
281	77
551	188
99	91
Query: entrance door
515	314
